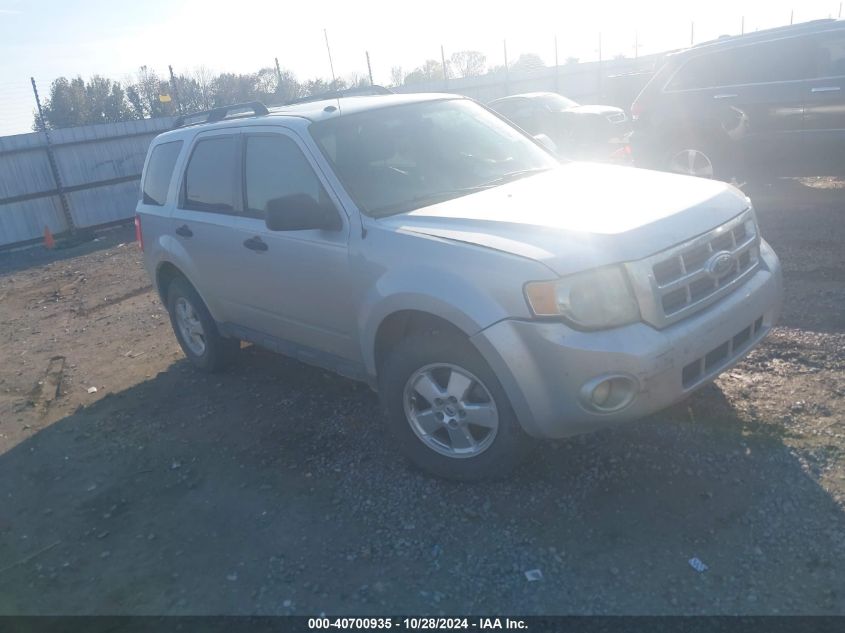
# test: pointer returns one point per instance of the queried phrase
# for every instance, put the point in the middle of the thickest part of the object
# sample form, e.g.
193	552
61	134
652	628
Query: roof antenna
331	67
331	64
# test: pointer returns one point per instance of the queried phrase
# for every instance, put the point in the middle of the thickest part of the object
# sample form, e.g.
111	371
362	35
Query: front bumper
543	366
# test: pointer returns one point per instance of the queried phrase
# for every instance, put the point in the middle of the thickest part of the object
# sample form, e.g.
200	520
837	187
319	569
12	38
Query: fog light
602	392
607	394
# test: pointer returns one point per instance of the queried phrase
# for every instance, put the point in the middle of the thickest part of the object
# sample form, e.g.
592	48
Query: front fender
430	290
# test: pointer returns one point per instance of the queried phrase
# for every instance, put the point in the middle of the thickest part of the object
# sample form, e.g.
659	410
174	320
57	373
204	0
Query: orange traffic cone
49	242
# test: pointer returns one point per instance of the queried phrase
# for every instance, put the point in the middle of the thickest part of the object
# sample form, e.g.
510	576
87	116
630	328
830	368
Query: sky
46	39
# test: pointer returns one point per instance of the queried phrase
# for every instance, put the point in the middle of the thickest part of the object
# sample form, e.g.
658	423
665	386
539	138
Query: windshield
555	102
396	159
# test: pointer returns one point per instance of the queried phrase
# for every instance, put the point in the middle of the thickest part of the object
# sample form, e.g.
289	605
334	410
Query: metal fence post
51	158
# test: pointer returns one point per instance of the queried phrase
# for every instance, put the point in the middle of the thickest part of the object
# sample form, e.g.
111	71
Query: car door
747	99
824	113
205	222
300	288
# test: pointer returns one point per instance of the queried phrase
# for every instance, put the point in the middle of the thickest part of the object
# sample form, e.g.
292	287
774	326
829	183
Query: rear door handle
826	89
727	95
184	231
256	244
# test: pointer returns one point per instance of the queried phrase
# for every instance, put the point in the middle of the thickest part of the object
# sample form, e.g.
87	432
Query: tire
433	359
696	157
184	304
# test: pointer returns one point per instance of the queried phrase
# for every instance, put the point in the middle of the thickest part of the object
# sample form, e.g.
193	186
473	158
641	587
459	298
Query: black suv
764	104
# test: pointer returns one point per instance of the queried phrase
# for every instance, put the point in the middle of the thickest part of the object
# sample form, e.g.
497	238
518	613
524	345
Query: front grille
678	282
719	357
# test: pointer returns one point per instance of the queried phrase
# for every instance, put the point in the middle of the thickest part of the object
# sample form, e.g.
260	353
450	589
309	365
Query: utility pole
601	70
742	31
331	63
557	69
175	90
51	158
507	73
791	15
445	72
369	67
691	33
840	9
278	70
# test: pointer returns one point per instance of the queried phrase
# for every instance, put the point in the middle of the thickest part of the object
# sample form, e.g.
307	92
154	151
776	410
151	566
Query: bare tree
397	76
469	63
205	84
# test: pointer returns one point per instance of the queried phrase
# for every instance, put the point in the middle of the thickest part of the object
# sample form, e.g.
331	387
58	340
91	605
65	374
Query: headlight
593	300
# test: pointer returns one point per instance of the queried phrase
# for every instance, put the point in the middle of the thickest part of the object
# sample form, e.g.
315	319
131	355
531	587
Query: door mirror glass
300	212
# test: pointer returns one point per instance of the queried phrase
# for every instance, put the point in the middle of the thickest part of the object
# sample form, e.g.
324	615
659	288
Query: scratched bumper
543	366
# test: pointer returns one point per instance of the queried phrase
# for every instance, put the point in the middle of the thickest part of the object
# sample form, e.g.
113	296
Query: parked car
584	132
420	243
767	103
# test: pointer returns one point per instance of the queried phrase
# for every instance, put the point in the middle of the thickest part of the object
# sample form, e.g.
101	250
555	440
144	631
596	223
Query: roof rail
786	30
348	92
218	114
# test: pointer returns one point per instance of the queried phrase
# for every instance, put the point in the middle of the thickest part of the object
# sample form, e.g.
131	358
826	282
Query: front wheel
447	411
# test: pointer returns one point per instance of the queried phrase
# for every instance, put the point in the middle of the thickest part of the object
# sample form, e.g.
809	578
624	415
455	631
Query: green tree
74	102
431	70
105	101
229	88
144	95
527	62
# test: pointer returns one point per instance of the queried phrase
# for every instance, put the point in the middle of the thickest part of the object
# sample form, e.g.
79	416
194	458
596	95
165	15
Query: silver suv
422	244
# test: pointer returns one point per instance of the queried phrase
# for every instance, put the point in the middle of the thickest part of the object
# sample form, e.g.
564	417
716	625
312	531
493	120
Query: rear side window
159	172
767	62
210	176
829	54
276	168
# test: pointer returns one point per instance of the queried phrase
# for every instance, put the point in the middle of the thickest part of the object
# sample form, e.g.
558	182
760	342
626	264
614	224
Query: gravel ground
269	489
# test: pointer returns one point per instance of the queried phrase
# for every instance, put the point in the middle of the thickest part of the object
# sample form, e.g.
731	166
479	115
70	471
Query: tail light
636	110
139	235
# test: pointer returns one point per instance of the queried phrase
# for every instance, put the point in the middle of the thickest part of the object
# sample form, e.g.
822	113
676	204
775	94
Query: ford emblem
719	264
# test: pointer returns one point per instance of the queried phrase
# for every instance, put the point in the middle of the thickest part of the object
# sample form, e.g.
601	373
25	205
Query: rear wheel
447	411
703	159
196	330
692	162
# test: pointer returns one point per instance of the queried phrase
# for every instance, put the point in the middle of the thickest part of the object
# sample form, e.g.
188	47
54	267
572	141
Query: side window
766	62
829	55
159	172
276	168
210	176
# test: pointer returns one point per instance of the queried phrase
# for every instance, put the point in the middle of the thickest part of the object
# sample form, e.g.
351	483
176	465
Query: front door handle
184	231
256	244
826	89
728	95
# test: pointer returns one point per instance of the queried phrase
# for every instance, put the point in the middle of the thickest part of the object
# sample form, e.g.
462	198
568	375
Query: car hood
580	215
603	110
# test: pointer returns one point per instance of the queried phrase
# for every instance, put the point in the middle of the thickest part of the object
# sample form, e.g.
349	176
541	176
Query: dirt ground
270	489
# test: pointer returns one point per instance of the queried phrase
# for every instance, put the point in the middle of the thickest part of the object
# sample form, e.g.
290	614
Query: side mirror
546	142
300	212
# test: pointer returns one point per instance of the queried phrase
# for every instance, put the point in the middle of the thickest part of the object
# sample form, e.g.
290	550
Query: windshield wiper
514	175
